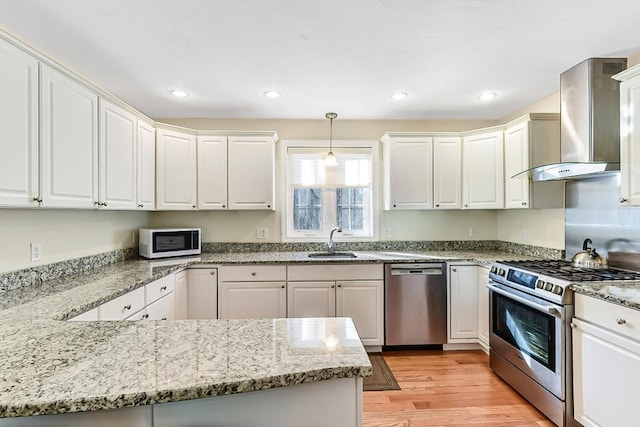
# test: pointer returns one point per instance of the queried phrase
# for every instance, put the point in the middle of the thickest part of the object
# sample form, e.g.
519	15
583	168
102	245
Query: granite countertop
49	366
626	294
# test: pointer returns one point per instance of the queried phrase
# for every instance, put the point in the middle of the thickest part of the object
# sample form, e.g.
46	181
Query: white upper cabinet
533	140
251	172
69	142
18	127
117	157
146	177
212	172
630	136
483	171
447	172
175	170
408	173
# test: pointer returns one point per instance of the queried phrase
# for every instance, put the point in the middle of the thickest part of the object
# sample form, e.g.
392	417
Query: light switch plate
261	233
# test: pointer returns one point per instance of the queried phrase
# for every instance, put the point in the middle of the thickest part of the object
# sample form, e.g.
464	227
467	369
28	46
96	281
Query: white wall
64	234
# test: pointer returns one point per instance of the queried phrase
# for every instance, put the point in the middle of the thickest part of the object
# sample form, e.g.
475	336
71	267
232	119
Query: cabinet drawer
163	309
159	288
336	272
253	273
123	306
622	320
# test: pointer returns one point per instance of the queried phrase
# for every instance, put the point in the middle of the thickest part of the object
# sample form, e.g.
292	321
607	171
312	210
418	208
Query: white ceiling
344	56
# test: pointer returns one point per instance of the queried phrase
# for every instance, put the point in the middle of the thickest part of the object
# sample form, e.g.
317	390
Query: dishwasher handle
417	271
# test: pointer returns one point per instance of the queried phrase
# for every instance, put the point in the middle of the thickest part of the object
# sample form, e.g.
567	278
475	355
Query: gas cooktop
550	279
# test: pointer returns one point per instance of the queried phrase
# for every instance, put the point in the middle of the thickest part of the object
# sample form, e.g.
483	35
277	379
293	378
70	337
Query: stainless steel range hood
589	122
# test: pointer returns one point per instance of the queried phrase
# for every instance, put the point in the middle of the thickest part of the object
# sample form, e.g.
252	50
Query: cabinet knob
127	307
333	286
339	286
394	206
224	206
164	318
438	205
163	288
524	203
212	273
269	206
193	206
466	205
620	321
96	203
282	286
253	273
145	316
104	204
37	199
454	269
622	200
141	205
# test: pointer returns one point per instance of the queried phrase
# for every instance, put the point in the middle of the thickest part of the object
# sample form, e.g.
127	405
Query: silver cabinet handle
127	307
163	288
141	205
573	326
524	203
104	204
37	199
620	321
622	200
454	269
145	316
253	273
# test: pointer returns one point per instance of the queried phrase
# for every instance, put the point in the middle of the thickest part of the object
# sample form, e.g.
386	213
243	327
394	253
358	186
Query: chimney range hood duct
589	122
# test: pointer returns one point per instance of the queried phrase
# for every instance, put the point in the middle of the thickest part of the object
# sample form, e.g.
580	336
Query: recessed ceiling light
399	95
486	96
272	94
179	93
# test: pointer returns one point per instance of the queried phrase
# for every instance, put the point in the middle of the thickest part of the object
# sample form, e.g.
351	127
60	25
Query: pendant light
331	160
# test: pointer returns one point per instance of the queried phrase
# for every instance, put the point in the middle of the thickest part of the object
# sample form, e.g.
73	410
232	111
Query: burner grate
563	269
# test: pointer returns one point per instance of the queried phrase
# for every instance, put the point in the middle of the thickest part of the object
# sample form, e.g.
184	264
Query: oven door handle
549	309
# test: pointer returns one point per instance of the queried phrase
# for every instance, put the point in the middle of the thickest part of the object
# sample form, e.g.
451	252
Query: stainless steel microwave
168	242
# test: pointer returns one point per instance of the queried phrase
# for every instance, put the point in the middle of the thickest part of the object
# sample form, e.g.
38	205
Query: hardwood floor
453	388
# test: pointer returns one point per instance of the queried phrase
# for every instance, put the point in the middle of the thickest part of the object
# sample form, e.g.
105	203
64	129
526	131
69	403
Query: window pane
350	208
307	209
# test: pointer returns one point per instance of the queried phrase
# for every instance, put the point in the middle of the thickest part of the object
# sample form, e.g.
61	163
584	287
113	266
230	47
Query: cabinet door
251	173
212	172
363	302
202	293
117	158
163	309
447	172
176	170
18	127
252	300
630	141
463	303
311	299
68	142
483	305
483	171
146	189
516	160
606	374
408	173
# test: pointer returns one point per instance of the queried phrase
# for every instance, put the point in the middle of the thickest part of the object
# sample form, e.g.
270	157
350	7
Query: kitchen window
320	197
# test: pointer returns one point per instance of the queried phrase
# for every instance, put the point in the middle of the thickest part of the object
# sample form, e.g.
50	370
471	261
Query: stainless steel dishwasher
415	304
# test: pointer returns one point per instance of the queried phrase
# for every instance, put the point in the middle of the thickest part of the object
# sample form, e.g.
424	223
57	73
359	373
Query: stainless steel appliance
531	306
167	242
415	304
589	121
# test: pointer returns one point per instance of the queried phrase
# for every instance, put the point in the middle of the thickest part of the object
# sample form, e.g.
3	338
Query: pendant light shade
330	159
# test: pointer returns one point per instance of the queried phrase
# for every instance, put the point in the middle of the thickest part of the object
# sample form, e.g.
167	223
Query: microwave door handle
542	308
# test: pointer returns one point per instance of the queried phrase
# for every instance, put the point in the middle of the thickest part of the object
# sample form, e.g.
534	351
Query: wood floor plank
453	388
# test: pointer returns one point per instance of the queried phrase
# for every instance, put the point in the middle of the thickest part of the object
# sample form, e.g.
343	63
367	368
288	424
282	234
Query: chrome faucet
330	245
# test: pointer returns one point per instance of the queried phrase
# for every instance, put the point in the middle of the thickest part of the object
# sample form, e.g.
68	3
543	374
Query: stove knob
501	272
548	286
557	290
494	269
540	284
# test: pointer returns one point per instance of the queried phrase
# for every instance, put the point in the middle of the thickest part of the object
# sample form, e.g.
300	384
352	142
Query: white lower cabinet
606	363
163	309
483	306
252	300
181	295
122	307
355	291
463	303
201	293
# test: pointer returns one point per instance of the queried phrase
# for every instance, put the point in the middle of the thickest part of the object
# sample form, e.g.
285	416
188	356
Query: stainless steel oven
531	306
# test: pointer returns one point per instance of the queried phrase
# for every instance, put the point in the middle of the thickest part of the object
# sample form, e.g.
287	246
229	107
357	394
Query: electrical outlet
387	232
523	234
36	251
261	233
473	232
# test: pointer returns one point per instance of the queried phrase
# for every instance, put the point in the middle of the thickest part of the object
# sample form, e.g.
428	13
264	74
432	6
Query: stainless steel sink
332	255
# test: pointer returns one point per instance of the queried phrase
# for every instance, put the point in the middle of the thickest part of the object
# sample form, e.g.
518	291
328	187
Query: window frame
286	195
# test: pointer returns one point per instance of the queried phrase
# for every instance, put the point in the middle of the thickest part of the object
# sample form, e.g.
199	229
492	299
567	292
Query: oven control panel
533	283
